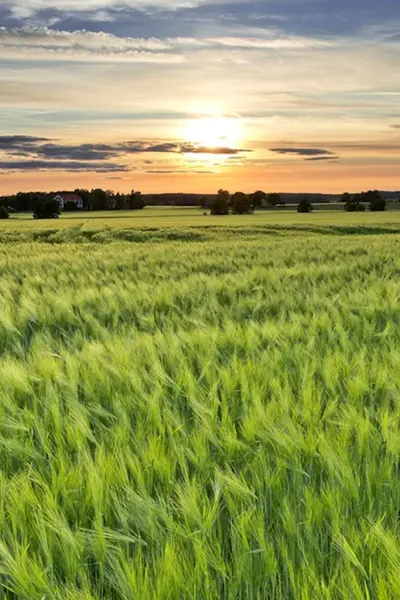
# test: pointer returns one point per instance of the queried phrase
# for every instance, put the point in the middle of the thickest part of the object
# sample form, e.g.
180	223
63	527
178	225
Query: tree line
96	199
241	203
43	205
352	202
359	202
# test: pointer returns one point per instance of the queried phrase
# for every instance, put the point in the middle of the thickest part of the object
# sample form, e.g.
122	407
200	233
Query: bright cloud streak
27	8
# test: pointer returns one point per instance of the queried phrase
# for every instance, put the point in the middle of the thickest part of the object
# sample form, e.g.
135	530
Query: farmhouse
63	199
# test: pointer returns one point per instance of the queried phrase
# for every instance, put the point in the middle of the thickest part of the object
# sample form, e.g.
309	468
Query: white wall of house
60	201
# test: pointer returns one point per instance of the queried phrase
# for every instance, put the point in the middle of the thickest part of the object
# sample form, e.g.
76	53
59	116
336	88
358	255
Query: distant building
64	199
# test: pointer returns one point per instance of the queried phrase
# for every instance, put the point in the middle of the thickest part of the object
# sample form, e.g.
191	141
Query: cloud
33	43
100	42
302	151
28	8
225	151
181	148
317	158
309	154
270	43
45	37
86	152
320	71
182	171
31	37
41	147
70	166
159	147
167	16
44	154
46	148
9	142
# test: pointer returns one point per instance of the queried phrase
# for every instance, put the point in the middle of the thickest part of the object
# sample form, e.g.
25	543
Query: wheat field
200	411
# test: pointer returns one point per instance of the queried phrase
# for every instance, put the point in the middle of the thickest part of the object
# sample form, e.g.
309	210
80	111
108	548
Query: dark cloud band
302	151
71	166
321	158
45	154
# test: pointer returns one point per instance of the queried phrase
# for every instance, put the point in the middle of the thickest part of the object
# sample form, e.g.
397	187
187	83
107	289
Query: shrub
304	206
376	202
354	204
47	209
3	213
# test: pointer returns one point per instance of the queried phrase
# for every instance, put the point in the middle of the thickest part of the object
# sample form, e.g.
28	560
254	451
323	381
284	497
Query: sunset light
214	132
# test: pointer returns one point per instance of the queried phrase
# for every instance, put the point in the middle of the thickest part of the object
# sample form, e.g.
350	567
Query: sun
214	132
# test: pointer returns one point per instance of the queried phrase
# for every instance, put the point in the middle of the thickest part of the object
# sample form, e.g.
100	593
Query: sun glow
214	132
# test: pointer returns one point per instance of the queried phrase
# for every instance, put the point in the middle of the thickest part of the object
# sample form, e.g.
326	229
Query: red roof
70	197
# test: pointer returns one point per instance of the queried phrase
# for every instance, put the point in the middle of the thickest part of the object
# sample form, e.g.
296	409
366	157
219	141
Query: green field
196	407
156	222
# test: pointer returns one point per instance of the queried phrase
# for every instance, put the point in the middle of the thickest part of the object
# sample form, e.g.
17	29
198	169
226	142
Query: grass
155	223
211	414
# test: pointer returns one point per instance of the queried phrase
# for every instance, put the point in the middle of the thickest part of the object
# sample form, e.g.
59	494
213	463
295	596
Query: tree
220	205
353	203
99	199
26	201
346	197
111	202
203	202
376	202
120	201
86	197
135	201
47	209
304	206
4	213
241	204
258	198
274	199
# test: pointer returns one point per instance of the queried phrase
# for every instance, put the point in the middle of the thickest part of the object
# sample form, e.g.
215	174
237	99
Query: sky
195	95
